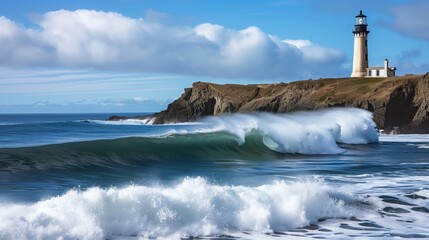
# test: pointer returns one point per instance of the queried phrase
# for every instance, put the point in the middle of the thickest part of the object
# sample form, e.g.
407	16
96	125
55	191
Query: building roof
360	14
375	68
380	68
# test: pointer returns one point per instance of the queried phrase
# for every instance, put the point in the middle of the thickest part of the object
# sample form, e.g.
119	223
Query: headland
399	104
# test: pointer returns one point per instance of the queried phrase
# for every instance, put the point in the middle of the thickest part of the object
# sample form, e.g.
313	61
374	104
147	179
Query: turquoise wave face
135	151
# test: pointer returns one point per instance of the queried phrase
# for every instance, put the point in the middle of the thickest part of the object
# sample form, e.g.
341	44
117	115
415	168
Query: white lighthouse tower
360	56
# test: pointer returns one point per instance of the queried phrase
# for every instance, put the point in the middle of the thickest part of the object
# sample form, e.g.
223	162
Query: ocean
319	175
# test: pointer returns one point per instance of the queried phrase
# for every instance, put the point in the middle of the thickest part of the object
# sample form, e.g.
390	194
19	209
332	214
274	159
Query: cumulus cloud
317	58
21	46
111	41
412	19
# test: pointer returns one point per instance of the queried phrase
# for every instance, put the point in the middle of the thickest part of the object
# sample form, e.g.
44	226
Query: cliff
400	103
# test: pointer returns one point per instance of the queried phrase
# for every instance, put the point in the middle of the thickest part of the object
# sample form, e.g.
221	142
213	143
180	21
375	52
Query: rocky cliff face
398	103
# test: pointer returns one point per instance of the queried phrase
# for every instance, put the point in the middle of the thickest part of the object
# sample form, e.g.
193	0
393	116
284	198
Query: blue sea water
323	174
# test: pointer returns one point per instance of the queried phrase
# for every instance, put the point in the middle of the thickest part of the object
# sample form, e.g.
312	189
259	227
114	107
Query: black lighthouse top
361	24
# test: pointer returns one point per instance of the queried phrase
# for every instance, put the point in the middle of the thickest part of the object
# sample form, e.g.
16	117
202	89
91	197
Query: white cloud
140	99
314	53
21	46
110	41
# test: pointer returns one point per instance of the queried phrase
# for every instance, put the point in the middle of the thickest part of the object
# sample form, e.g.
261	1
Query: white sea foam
192	207
411	138
147	121
315	132
419	145
423	193
8	123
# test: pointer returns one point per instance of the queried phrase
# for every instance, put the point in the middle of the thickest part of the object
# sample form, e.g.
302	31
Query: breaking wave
315	132
192	207
311	132
242	136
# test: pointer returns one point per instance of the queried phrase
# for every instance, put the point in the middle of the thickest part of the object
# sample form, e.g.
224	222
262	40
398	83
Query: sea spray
192	207
316	132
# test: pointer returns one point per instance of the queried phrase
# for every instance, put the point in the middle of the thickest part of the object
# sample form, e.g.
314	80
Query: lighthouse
360	55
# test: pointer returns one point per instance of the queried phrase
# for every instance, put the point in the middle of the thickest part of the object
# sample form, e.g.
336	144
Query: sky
138	55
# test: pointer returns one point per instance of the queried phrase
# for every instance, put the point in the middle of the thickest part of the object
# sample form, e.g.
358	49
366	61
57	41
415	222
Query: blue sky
137	56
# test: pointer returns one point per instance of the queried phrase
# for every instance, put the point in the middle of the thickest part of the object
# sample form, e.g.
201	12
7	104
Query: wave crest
315	132
193	207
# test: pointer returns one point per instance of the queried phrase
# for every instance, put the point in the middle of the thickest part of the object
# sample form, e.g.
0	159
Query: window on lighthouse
360	21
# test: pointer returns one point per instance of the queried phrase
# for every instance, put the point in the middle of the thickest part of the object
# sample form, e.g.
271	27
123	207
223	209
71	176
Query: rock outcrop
399	104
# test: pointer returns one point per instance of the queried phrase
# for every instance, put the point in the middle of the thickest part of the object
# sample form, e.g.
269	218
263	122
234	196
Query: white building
384	71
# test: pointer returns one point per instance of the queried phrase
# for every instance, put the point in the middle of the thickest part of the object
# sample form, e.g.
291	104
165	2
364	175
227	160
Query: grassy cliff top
328	90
